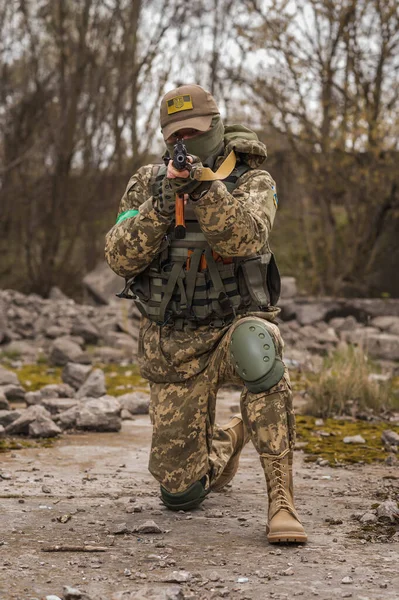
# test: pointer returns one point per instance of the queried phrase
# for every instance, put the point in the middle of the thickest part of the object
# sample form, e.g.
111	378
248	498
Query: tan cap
187	106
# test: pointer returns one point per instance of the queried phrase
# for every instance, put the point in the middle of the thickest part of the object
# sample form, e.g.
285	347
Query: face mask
207	144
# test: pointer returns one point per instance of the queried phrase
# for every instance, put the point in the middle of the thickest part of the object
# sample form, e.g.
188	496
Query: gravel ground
95	490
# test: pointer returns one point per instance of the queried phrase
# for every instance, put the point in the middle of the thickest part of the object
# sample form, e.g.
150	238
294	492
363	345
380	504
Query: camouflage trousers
185	369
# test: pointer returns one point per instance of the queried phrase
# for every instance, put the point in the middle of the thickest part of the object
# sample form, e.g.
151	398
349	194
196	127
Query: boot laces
281	500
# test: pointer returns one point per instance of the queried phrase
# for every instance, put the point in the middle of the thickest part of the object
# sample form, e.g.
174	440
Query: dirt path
221	548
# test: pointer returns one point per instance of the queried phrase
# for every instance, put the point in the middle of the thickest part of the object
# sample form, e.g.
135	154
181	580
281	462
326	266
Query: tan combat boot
240	436
283	521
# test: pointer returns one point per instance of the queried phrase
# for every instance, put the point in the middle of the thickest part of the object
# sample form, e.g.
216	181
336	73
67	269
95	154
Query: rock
354	439
360	335
347	580
67	419
75	374
126	415
71	593
13	392
43	427
388	324
137	403
21	425
368	518
8	416
288	287
120	529
64	351
106	354
2	432
4	405
8	377
178	577
57	390
148	527
101	284
100	414
54	332
312	312
383	346
85	328
388	510
33	398
390	438
25	350
94	386
344	323
57	294
4	333
58	405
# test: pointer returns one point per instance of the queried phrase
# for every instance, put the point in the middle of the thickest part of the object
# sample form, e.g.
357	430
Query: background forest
80	85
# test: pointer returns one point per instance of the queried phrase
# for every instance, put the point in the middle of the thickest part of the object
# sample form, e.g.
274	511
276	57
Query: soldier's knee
186	500
254	356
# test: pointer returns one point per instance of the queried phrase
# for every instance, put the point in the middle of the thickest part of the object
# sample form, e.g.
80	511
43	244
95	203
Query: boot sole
287	537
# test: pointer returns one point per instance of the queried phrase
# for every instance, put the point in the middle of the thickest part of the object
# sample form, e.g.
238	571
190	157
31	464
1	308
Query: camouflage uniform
186	367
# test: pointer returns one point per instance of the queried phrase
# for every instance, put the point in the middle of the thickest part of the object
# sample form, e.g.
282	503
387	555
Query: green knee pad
254	356
190	498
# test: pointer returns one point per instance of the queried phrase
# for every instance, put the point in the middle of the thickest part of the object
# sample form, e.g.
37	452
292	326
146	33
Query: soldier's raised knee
186	500
254	356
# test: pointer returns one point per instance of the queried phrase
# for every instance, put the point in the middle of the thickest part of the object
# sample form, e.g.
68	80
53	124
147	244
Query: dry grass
344	386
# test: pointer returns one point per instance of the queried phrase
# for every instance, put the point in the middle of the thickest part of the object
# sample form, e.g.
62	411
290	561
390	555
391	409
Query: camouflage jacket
236	224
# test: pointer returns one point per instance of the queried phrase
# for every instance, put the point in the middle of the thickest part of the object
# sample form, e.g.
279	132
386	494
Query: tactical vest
187	282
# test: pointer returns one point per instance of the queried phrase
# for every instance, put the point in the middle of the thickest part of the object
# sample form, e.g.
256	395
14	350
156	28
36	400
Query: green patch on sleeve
126	215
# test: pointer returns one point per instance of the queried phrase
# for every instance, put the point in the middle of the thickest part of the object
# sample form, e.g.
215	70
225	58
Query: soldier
208	310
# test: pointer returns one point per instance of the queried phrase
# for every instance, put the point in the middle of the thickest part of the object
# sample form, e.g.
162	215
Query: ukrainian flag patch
275	199
179	103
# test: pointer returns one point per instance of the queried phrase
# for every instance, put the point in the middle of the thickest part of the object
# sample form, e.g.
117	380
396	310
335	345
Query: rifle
180	163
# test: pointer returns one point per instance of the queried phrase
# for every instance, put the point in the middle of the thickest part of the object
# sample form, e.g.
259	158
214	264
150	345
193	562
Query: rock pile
62	330
80	402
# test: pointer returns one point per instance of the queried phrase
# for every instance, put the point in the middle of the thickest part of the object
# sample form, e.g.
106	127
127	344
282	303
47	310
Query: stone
4	404
55	331
4	333
75	374
360	335
67	418
388	324
13	392
389	437
311	312
33	398
344	323
25	350
85	328
21	425
63	351
99	414
384	346
288	287
388	510
57	294
94	386
106	354
137	403
2	432
178	577
368	518
58	405
354	439
126	415
148	527
347	580
8	416
101	284
43	427
57	390
7	377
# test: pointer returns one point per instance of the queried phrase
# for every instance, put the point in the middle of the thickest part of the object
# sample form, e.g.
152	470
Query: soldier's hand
183	182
